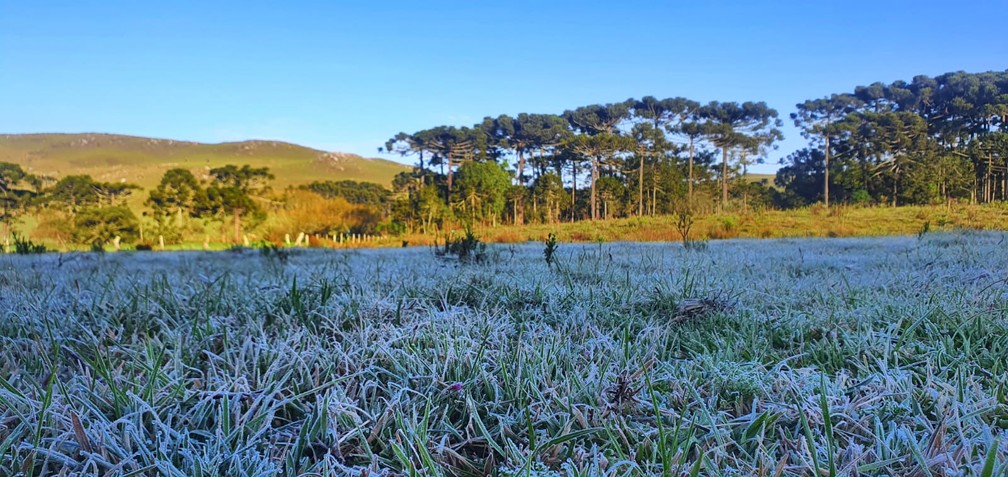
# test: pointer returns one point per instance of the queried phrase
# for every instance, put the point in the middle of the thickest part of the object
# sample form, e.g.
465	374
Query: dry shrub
721	233
311	213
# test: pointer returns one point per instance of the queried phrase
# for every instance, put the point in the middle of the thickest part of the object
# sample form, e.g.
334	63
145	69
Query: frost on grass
791	357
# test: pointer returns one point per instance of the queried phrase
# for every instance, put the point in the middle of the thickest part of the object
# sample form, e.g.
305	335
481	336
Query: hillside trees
99	225
92	212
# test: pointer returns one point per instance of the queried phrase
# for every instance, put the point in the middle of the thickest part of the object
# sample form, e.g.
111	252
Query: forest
932	140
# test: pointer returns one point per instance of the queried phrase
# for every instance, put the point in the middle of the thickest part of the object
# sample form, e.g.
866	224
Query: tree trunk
594	180
724	177
237	225
689	194
826	175
573	190
654	187
895	189
640	188
450	173
521	166
989	192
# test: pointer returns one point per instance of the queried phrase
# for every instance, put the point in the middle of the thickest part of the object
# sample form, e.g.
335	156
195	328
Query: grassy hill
140	160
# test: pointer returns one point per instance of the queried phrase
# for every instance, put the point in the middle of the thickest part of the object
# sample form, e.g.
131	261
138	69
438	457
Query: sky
347	75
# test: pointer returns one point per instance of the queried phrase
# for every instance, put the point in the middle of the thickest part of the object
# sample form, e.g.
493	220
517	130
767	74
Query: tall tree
599	139
599	149
452	146
732	125
663	116
817	120
481	190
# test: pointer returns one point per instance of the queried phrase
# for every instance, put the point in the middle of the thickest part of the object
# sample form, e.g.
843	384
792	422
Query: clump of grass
925	228
468	248
272	251
24	246
699	308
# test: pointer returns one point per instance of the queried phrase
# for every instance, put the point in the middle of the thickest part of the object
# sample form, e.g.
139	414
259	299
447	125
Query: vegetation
931	141
780	357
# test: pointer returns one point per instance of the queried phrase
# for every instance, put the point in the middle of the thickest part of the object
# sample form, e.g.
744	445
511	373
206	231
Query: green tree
548	190
233	191
482	189
174	198
100	225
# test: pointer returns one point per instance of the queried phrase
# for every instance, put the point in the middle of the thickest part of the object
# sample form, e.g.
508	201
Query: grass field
871	356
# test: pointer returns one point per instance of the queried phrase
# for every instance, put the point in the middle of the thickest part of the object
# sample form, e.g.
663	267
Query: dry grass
815	221
787	357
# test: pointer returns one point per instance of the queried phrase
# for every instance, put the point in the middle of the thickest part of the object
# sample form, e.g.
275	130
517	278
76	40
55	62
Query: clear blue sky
347	75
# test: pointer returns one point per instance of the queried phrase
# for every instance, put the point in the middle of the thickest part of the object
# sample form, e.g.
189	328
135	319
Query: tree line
930	140
925	141
633	157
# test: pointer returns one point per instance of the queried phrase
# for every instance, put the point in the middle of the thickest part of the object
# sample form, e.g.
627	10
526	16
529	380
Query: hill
140	160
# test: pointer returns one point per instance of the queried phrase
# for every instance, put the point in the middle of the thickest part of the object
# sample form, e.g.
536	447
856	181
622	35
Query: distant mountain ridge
142	160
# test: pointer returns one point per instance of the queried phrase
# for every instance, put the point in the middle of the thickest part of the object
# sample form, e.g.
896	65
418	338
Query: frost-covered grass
850	356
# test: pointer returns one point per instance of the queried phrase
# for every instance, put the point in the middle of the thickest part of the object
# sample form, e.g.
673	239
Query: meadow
779	357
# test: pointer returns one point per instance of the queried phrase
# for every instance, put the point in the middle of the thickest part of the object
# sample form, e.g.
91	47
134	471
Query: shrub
550	250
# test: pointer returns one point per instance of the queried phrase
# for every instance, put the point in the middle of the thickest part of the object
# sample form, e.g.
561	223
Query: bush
861	197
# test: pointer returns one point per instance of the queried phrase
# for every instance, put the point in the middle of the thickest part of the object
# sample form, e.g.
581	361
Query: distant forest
930	140
926	141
